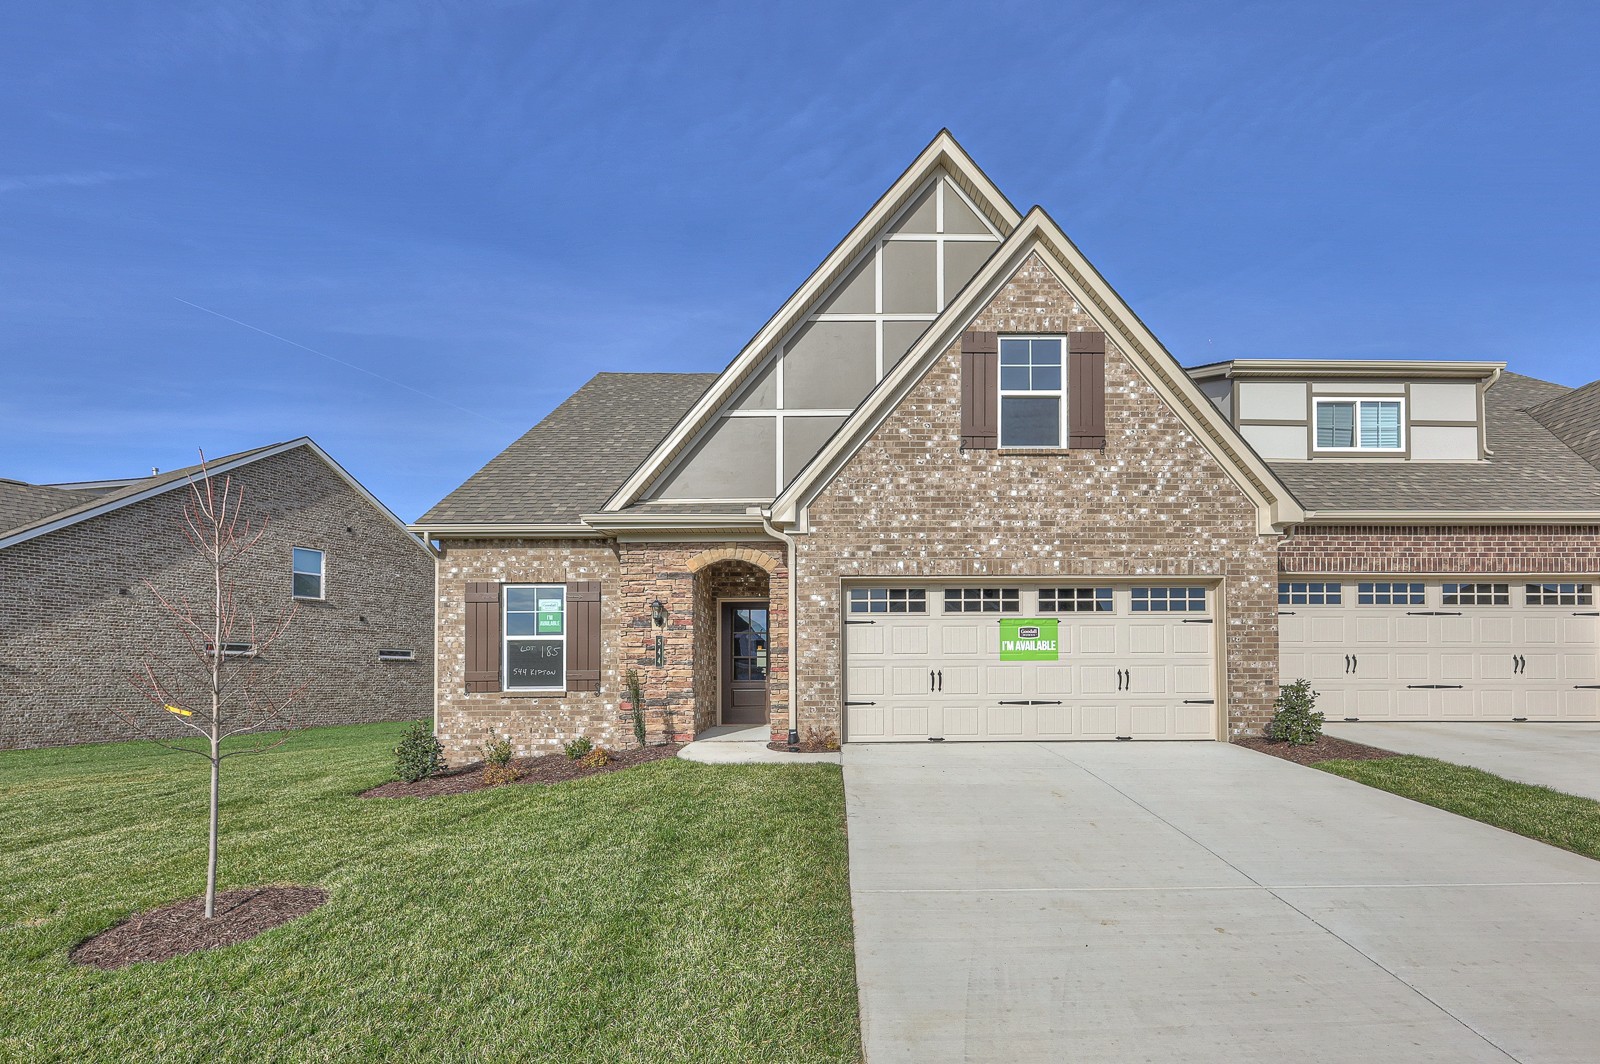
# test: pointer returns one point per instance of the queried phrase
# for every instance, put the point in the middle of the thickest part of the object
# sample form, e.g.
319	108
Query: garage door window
1560	595
1477	594
1390	594
1300	593
982	600
1169	600
888	600
1075	600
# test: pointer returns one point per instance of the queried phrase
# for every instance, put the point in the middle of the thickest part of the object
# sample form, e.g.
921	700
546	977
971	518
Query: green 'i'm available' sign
1029	639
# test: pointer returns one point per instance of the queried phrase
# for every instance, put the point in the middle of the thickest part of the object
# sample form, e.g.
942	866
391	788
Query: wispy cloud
69	179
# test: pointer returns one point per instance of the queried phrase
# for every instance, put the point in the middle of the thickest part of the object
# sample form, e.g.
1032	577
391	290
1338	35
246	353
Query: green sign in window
1029	639
549	622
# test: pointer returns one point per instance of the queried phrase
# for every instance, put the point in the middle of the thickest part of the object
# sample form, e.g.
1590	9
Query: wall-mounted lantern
658	613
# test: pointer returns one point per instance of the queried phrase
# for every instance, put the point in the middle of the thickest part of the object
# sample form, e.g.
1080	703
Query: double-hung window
308	568
1360	425
1032	391
535	627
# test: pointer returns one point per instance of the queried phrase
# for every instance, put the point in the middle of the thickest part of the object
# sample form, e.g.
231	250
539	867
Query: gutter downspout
766	523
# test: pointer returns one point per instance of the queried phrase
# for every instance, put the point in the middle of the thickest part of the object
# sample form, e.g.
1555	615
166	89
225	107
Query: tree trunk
211	849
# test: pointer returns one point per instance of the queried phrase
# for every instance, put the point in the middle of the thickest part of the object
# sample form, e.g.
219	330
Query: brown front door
744	662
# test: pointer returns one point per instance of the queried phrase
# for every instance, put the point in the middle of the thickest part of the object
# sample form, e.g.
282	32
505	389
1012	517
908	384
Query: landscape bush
595	758
577	748
636	696
1295	720
419	754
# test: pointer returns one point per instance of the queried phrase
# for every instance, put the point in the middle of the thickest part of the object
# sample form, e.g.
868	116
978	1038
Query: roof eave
1327	368
1451	517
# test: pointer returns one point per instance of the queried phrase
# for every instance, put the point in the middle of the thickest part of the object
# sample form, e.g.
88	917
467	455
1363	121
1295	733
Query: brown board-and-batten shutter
483	637
583	636
1086	389
980	395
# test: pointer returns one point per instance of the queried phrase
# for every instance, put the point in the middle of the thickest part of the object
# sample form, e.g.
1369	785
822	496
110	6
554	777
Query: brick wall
76	620
685	576
1443	549
912	503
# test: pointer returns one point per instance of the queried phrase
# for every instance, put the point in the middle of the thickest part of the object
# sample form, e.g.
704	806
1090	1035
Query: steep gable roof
573	460
1038	234
94	504
942	153
1574	417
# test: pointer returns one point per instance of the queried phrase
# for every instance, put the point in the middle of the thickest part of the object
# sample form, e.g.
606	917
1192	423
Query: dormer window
1360	424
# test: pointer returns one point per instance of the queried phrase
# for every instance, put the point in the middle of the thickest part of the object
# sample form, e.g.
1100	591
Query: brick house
76	620
955	489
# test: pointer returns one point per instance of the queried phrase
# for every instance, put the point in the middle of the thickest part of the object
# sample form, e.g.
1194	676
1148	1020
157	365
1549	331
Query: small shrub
595	758
577	748
496	752
826	738
419	754
1296	720
636	696
495	775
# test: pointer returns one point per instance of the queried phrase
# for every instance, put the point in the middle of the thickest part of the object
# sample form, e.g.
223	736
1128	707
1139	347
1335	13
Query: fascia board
504	529
942	151
1322	368
1451	517
1275	504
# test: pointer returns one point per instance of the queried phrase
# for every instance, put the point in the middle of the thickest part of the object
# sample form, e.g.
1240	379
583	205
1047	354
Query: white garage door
1430	649
1131	662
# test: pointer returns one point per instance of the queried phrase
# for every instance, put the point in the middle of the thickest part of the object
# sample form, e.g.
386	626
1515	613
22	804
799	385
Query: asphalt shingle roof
1575	419
1530	468
571	462
81	501
26	504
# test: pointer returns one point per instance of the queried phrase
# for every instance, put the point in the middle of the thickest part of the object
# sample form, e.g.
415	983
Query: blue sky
470	208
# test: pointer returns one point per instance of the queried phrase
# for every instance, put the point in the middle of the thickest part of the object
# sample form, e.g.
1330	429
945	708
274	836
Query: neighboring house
955	489
77	621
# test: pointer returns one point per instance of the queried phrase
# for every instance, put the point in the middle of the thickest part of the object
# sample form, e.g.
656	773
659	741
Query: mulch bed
804	748
550	768
176	929
1326	748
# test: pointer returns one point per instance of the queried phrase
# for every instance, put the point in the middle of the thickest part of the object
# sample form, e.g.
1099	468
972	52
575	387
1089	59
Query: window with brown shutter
583	639
980	398
483	637
1086	389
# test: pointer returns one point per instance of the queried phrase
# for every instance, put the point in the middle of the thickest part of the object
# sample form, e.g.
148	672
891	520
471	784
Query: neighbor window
1075	600
1303	593
396	655
1560	595
1032	393
1390	594
232	650
1169	600
307	573
982	600
1360	425
1477	594
888	600
535	627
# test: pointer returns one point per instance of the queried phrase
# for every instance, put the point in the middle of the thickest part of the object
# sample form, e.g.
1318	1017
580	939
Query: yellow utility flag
180	712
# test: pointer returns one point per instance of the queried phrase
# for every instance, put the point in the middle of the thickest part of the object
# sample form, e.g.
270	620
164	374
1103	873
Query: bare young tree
227	685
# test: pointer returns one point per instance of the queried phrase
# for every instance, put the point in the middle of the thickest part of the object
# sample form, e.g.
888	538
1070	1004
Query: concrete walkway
1563	756
743	744
1201	902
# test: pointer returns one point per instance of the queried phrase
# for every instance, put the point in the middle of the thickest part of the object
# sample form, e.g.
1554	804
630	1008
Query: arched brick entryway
725	578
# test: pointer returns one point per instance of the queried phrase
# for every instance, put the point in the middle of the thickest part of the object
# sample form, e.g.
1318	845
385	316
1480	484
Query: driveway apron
1201	902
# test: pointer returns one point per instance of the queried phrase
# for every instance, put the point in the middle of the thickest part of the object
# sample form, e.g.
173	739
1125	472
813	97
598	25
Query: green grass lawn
1563	820
673	911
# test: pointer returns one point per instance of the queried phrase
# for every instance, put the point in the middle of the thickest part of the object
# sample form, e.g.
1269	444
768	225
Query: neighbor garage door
1130	662
1431	649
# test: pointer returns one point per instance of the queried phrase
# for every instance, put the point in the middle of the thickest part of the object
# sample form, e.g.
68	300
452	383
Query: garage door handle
1433	687
1518	663
1122	679
941	679
930	681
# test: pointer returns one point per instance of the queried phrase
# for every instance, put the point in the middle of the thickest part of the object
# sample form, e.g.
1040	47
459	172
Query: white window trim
322	575
1001	393
505	637
1319	401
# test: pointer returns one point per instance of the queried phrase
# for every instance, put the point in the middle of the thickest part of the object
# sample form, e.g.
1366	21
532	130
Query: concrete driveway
1201	902
1563	756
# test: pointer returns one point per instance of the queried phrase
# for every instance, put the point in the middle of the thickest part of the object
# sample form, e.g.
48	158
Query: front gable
831	343
1039	284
